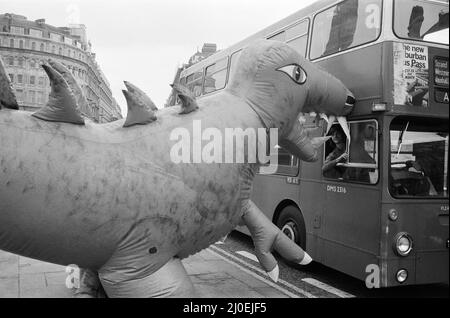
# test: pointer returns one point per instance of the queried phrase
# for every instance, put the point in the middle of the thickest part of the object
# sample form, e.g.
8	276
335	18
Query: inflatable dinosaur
109	197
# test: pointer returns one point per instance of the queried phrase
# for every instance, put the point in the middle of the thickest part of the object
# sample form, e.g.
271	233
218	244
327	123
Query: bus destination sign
441	78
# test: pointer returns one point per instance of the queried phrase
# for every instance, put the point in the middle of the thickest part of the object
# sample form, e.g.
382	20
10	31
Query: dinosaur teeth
324	117
302	119
331	121
343	122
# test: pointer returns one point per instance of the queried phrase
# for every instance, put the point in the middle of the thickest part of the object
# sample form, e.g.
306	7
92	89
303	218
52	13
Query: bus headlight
403	244
402	276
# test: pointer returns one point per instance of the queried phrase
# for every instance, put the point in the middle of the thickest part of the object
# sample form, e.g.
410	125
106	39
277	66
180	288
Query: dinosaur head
281	85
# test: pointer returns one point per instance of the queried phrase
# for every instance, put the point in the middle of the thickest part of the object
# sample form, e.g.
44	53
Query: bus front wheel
291	223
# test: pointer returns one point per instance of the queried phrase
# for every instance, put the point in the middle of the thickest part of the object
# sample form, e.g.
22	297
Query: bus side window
349	24
363	156
234	59
278	37
297	36
287	163
355	160
194	83
216	76
299	44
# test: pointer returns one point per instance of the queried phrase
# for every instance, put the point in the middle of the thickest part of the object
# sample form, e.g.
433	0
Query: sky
144	41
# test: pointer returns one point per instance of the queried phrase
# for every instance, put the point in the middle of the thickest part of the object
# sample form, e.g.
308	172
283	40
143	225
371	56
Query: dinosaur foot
267	237
170	281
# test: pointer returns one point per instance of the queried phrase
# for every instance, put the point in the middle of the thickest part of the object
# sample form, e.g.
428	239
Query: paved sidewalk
213	277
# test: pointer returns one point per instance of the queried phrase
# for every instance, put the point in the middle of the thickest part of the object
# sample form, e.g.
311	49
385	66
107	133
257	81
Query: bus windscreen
422	20
419	158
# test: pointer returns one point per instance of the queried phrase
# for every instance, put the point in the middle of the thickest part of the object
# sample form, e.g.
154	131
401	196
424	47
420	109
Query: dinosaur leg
170	281
90	286
267	237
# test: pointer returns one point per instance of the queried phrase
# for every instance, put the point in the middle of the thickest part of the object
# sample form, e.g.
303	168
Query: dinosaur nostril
350	100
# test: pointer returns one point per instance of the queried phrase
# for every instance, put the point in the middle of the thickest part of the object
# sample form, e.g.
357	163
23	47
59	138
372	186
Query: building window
17	30
19	95
20	78
11	43
60	51
21	44
36	33
32	80
55	37
33	45
53	49
21	62
33	63
11	61
68	53
32	96
41	81
40	98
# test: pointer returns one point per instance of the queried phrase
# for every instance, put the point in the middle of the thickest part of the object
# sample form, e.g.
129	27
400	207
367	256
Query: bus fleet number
336	189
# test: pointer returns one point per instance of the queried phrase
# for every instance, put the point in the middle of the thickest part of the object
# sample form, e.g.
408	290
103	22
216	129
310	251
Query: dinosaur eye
295	72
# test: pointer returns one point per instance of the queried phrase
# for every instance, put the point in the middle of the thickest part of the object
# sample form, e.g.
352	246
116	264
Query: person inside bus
330	168
360	133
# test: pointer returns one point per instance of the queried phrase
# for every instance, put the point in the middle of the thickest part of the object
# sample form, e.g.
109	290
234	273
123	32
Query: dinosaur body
111	198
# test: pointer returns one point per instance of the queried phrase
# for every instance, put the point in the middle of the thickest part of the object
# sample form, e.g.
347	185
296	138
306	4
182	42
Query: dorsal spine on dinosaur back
62	105
82	102
188	102
139	94
138	112
7	97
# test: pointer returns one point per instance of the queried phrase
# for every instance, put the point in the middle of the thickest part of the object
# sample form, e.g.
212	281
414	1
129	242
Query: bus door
350	223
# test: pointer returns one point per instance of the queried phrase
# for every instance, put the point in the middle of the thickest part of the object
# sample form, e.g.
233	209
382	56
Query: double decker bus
386	208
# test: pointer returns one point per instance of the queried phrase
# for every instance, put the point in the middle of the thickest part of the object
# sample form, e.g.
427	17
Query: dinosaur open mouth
301	141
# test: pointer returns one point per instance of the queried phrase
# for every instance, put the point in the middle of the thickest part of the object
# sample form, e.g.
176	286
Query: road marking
248	255
327	288
215	250
258	277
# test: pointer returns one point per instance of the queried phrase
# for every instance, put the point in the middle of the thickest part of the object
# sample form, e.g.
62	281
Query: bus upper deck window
346	25
216	76
421	20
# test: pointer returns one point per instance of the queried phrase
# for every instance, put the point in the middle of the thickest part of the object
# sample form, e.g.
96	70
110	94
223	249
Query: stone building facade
24	45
